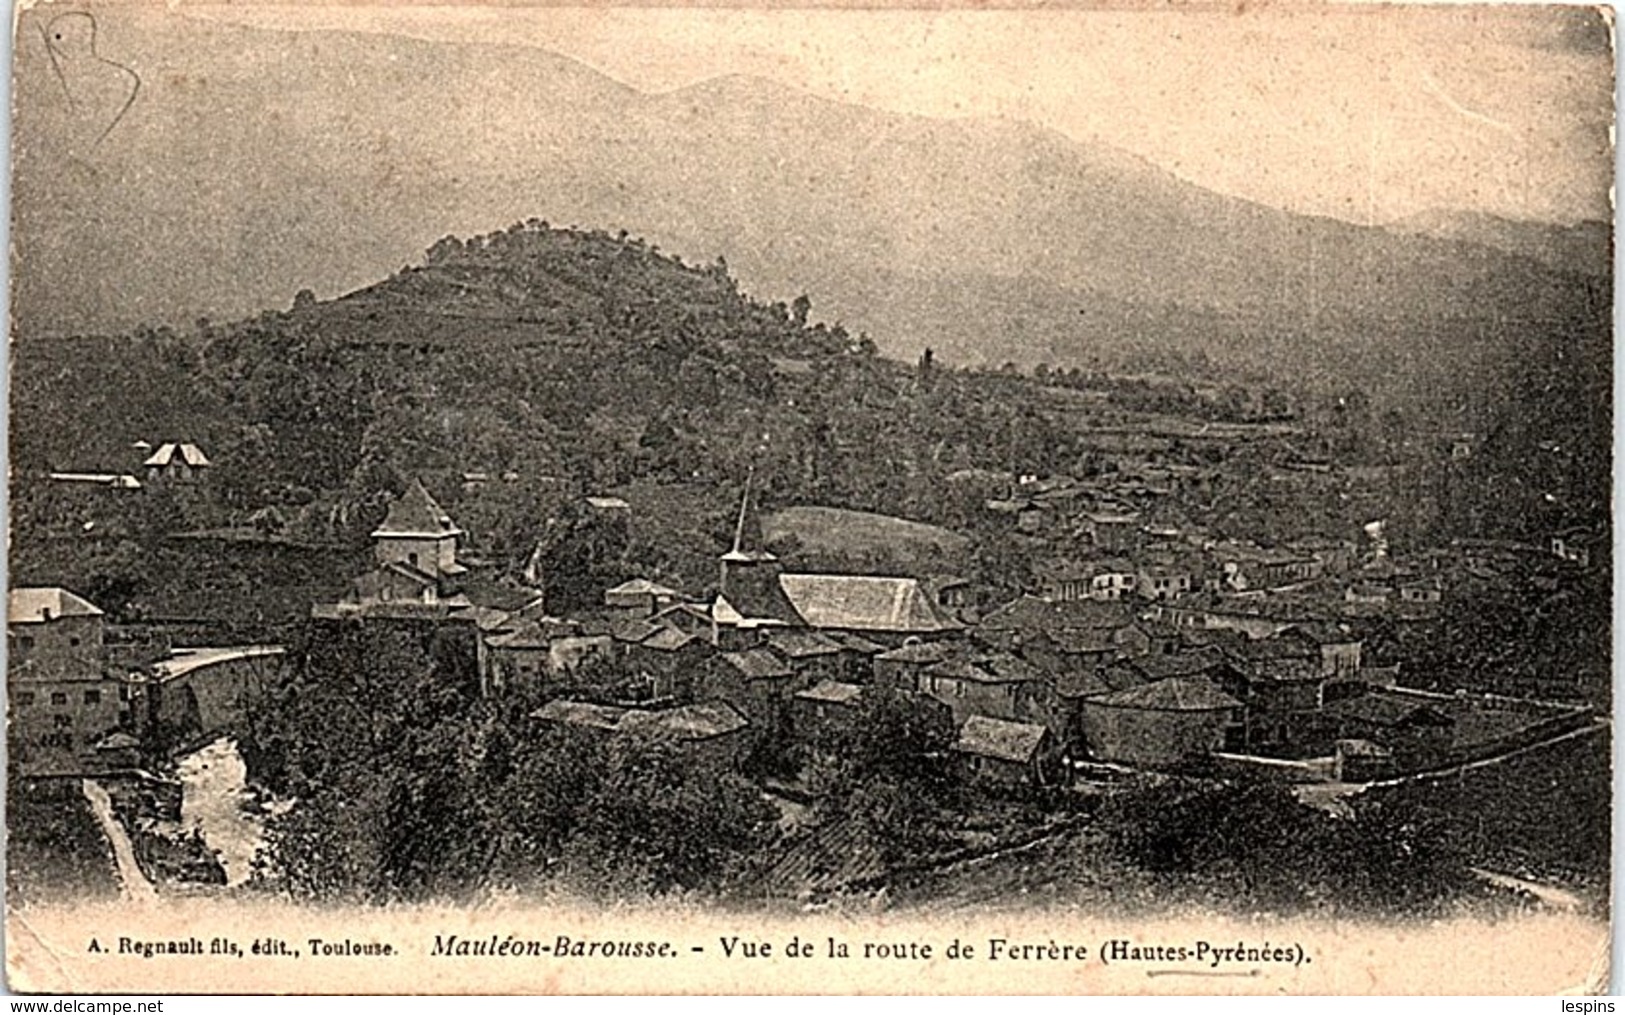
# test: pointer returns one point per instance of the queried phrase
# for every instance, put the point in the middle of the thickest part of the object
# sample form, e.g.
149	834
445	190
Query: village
1143	649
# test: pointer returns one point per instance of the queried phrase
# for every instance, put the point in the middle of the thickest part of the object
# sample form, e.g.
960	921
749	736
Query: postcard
715	499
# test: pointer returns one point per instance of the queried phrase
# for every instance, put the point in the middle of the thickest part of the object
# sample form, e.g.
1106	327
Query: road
136	888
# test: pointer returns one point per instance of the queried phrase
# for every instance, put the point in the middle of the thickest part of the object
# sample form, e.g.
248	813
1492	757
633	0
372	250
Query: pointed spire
744	509
744	545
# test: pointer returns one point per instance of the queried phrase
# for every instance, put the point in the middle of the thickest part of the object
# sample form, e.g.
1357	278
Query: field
835	537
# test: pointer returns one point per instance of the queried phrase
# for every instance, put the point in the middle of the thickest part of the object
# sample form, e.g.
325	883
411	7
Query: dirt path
136	887
1549	895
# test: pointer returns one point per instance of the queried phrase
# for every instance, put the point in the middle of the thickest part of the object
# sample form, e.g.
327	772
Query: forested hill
561	357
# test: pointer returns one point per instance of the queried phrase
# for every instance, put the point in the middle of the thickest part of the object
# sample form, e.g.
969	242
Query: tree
664	820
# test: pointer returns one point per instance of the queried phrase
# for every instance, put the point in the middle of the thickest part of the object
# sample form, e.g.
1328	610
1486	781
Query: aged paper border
49	950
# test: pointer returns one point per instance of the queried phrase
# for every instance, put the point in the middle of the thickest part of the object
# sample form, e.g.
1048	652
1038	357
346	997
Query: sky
1368	114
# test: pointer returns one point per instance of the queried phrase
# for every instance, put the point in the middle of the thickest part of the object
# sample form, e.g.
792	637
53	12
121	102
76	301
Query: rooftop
863	603
168	454
640	587
703	721
801	644
833	692
415	514
757	664
43	605
999	739
117	482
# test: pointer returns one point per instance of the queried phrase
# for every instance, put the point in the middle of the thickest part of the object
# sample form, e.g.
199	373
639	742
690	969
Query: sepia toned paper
828	500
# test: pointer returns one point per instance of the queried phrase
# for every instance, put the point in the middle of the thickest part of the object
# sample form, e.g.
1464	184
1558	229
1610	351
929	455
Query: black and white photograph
946	488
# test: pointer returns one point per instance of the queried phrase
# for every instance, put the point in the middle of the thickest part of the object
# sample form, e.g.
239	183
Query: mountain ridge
371	147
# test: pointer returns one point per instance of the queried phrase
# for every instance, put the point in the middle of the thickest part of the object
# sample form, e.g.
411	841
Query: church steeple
747	545
750	574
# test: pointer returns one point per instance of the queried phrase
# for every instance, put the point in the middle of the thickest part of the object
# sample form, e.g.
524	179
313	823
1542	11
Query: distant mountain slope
256	164
1585	248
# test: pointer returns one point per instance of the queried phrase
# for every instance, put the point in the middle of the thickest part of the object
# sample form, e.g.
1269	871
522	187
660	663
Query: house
1028	516
949	591
755	681
1283	693
417	532
1361	761
668	660
1072	687
1368	594
60	702
999	685
1427	590
1208	612
1245	566
1332	556
857	658
1164	638
1152	667
525	651
415	548
901	667
1113	532
809	652
640	596
1172	723
1162	580
1062	651
826	704
1339	648
1104	580
176	463
1002	753
711	732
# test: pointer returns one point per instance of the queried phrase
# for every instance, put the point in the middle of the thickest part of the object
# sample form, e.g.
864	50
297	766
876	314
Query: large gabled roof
865	603
42	605
415	513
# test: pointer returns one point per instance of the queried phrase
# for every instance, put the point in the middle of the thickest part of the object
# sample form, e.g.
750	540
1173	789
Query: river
214	788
